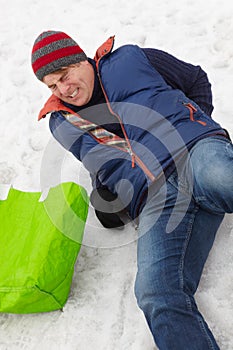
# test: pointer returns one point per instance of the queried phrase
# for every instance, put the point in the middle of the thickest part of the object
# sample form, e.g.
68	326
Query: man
139	120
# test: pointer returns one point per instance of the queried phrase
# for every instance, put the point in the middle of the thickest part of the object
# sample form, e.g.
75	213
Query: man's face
73	84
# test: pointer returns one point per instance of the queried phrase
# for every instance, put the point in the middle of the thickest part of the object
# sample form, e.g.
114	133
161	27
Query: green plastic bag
39	245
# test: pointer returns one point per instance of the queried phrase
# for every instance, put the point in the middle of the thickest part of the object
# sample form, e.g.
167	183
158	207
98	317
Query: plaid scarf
99	133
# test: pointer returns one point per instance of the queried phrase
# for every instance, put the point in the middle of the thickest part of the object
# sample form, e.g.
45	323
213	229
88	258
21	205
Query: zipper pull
189	105
192	109
133	160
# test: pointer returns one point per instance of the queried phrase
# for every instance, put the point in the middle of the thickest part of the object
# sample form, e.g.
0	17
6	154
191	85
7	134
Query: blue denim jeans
174	244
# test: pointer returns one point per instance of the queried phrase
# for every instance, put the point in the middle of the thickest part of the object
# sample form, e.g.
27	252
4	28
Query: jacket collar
104	49
53	104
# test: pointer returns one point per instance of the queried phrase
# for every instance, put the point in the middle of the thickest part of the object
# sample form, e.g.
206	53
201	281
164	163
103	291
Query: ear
84	63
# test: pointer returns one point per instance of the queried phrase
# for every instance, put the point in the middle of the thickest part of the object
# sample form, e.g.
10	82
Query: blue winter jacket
159	123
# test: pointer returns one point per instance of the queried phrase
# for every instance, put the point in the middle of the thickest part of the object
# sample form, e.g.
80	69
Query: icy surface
101	312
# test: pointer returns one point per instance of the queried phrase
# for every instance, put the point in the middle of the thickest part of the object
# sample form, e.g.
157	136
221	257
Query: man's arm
192	80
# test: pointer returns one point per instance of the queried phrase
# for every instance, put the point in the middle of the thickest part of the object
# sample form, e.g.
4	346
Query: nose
63	88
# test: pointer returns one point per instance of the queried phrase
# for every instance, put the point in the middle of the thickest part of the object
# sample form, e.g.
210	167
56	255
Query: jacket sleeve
62	132
192	80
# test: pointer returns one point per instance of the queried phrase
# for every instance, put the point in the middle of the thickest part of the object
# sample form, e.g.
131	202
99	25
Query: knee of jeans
151	289
156	300
214	183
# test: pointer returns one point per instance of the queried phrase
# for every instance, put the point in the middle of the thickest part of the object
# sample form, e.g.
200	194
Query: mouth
74	94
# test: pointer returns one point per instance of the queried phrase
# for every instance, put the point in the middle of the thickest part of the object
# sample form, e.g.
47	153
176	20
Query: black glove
111	217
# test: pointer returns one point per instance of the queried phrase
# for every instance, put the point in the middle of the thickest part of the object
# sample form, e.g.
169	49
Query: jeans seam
181	269
204	331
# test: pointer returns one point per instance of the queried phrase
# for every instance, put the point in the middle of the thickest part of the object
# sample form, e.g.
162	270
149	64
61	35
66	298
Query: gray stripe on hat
51	47
45	35
60	63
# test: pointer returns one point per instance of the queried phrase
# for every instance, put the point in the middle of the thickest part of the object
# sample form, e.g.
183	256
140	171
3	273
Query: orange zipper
134	157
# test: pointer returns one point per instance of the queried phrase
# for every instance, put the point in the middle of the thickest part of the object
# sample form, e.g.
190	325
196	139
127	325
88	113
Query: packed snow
101	312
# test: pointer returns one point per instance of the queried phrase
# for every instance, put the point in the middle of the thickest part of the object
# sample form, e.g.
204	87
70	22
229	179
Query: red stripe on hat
55	55
50	39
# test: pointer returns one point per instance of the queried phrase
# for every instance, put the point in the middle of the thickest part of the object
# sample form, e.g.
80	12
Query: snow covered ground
101	312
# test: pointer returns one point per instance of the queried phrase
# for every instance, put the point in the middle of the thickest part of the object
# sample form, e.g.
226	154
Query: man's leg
169	270
170	263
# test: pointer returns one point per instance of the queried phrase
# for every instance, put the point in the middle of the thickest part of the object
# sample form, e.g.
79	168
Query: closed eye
64	77
52	87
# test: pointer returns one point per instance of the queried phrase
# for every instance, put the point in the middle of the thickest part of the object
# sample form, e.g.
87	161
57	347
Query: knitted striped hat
53	50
